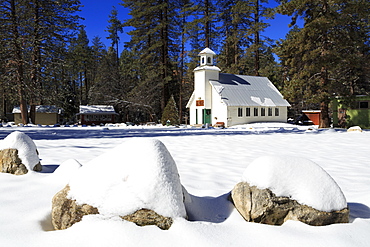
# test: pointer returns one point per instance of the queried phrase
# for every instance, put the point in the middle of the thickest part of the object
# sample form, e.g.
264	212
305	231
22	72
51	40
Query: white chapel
227	99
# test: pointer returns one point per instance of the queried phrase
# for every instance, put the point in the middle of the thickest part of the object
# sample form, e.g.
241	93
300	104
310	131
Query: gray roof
40	109
96	109
242	90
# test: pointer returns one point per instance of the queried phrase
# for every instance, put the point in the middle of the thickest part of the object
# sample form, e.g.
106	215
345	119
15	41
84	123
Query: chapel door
207	116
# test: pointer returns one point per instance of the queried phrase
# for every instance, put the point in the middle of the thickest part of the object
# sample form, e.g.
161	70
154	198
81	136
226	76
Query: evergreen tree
114	29
322	58
154	40
243	46
81	58
170	114
32	43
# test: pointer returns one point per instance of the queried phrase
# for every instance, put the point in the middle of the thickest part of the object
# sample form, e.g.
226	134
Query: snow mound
27	150
297	178
67	168
140	173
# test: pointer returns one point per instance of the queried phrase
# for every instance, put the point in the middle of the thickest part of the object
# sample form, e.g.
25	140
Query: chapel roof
242	90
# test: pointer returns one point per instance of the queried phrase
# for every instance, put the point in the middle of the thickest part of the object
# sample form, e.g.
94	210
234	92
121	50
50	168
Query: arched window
209	60
202	60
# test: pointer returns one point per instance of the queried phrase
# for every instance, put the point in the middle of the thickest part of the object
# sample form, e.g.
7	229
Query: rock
354	129
137	181
26	150
263	206
11	163
65	212
145	217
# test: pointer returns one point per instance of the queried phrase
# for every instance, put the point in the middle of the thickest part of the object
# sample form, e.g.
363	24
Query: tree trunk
324	116
207	23
256	40
164	51
19	63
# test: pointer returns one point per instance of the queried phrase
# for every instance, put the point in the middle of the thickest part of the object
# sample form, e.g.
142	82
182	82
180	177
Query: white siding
219	108
235	120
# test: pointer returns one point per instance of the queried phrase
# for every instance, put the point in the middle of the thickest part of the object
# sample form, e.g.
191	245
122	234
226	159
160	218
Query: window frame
240	112
255	112
247	111
263	111
269	112
277	112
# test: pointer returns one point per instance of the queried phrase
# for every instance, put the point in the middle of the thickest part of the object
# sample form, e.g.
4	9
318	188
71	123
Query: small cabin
313	116
221	99
96	114
44	114
351	112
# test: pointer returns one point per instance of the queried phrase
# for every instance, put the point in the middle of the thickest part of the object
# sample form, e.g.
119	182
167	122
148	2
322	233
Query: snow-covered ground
210	163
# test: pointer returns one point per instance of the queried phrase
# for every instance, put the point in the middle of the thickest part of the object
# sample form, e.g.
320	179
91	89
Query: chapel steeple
206	57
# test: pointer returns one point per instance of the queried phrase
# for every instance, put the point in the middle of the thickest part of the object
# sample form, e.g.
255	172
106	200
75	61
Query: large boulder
275	189
263	206
18	154
65	212
11	163
137	181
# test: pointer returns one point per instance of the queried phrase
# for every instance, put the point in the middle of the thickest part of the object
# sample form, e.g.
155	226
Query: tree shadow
358	210
209	209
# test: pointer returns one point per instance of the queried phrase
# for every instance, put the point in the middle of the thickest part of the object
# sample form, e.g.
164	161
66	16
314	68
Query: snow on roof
27	150
207	51
40	109
140	173
207	67
298	178
242	90
97	109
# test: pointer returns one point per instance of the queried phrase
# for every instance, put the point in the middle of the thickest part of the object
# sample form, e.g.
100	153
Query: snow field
210	163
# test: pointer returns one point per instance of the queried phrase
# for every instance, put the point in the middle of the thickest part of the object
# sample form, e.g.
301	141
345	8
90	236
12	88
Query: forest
46	57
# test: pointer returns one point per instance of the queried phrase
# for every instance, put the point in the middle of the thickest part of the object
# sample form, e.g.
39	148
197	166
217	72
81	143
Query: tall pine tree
33	32
322	58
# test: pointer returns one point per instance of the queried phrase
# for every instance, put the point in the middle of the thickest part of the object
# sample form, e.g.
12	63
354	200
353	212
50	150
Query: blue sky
96	14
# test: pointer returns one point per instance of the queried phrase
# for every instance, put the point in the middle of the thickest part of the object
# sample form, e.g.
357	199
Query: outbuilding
221	99
96	114
349	112
44	114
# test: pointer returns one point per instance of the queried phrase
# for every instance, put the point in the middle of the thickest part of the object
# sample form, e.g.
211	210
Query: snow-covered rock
297	178
354	129
276	189
138	174
27	150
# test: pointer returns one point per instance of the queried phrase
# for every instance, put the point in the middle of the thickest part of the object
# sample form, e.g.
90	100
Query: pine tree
32	43
114	29
170	114
81	58
320	55
153	39
243	46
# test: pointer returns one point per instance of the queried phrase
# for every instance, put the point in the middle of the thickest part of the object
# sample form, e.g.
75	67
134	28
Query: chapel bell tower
203	74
